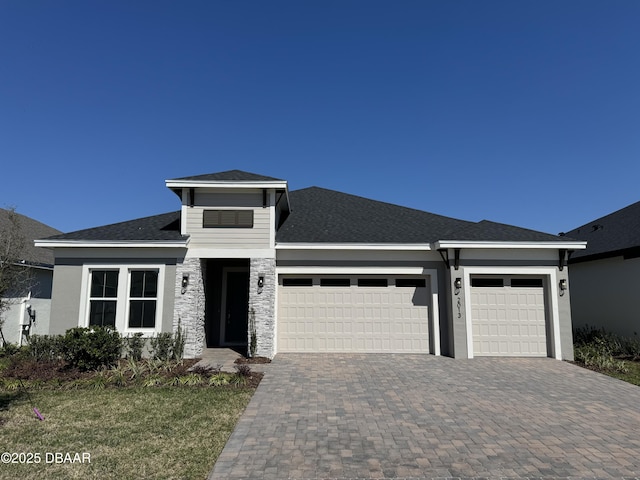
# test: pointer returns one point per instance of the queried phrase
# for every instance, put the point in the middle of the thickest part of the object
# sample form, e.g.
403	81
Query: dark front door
235	312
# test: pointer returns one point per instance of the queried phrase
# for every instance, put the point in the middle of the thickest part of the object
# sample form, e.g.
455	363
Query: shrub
9	350
168	346
161	346
134	346
178	343
46	347
92	348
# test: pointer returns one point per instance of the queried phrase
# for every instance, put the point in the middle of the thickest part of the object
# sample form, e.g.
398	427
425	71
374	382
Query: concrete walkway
422	417
224	359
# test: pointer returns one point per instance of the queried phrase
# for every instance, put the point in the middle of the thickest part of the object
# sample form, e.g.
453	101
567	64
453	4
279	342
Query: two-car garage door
353	314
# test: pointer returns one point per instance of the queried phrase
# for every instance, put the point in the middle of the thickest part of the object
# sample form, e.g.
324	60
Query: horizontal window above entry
227	219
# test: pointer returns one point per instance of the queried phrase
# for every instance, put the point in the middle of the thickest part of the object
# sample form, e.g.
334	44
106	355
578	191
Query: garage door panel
508	321
354	318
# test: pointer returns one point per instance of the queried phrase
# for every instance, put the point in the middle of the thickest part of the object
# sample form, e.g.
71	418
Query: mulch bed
252	360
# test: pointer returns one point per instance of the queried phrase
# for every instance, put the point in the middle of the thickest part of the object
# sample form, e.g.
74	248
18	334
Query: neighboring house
29	308
604	277
316	270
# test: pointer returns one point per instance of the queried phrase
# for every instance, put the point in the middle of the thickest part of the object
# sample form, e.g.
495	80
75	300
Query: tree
15	274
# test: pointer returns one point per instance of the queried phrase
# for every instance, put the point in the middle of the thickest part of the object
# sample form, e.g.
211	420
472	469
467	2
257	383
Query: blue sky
521	112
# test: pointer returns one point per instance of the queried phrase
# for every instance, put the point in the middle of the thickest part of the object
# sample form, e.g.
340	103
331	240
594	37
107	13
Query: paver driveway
419	416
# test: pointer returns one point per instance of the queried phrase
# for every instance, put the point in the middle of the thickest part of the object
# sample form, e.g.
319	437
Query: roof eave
226	183
353	246
506	244
111	243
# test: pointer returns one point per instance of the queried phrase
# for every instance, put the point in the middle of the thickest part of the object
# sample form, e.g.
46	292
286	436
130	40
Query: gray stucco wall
564	310
604	294
65	298
457	308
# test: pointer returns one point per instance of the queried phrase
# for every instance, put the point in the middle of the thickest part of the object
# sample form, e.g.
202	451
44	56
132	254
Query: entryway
226	303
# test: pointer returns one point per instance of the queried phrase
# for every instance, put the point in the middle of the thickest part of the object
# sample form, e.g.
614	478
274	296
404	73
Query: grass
632	375
608	353
130	433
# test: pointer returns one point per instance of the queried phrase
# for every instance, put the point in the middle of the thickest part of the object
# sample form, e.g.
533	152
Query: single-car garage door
353	314
508	316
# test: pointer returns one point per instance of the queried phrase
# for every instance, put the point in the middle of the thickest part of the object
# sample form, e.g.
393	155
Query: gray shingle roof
487	231
326	216
232	176
615	234
31	230
164	227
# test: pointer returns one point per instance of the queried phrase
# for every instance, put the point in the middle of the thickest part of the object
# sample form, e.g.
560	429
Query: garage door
353	314
508	316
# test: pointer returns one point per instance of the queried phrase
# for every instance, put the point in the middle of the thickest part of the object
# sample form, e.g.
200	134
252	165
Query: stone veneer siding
262	305
189	306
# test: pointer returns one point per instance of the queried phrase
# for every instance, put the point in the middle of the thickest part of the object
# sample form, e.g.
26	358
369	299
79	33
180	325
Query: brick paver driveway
419	416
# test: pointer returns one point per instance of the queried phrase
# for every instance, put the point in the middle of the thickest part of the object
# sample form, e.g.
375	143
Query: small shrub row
167	346
597	348
131	373
97	347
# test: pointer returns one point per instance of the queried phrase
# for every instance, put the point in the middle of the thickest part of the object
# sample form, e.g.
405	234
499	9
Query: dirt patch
252	360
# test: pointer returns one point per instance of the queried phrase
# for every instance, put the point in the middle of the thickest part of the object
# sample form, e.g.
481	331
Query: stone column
189	306
262	306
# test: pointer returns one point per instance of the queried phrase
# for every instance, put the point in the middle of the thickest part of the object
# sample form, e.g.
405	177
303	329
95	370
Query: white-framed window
103	297
143	298
127	297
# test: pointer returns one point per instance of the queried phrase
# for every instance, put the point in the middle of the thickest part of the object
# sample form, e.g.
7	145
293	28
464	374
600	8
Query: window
411	282
297	282
227	219
335	282
126	297
143	293
526	282
103	297
372	282
487	282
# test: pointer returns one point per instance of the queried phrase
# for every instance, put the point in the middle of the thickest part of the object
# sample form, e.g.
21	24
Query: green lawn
632	375
129	433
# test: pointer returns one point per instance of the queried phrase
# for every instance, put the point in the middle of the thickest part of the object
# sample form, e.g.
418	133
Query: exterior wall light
563	286
32	313
457	285
185	282
260	281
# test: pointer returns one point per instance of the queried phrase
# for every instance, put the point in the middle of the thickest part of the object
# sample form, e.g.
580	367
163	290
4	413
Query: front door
235	298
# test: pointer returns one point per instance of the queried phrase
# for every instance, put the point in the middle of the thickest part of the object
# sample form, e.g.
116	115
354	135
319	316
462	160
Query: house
604	277
315	270
29	305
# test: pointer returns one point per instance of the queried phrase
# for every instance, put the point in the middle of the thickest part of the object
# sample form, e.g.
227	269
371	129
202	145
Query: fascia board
472	244
109	244
224	184
353	246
